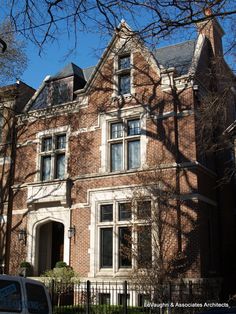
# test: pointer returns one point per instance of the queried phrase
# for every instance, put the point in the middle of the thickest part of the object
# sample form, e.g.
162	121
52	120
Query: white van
23	296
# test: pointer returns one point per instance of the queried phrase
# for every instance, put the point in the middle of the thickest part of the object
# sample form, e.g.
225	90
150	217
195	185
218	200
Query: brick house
90	145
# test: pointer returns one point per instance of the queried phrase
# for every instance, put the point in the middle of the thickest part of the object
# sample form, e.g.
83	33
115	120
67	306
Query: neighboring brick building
89	140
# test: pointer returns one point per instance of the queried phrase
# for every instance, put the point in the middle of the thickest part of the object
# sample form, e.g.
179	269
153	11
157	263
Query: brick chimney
213	31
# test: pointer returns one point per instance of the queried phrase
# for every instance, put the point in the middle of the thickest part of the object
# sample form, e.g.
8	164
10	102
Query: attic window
60	93
124	84
123	73
124	62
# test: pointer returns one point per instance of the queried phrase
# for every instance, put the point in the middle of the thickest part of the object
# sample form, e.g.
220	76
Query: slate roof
179	56
72	69
69	70
88	72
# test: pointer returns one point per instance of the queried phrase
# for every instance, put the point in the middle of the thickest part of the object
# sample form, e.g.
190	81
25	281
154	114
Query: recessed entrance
50	245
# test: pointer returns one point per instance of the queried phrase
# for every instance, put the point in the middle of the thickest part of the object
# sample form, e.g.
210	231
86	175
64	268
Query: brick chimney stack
213	31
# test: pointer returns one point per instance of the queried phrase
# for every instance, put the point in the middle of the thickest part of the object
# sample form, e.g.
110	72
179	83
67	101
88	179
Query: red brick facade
170	158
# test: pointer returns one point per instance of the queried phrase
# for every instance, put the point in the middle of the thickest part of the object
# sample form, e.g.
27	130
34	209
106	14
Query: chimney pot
207	12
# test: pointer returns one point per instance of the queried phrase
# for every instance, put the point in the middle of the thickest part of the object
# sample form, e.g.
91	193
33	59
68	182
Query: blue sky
55	56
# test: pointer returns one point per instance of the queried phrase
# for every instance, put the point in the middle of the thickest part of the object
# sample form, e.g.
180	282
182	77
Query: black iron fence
126	298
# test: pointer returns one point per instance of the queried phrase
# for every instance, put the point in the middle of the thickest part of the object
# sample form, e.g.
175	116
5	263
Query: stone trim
54	110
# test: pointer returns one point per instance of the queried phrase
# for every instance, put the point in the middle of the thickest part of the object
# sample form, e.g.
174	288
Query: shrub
64	278
25	264
61	264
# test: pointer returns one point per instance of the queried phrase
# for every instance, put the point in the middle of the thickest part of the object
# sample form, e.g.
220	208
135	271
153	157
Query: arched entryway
50	248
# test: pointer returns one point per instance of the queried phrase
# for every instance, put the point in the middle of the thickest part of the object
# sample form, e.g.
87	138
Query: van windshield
10	296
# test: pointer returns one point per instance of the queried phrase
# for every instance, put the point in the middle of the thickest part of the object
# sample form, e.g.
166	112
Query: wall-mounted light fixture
71	232
22	235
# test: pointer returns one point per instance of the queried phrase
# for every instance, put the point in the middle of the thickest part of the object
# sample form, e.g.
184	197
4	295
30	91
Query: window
124	78
115	228
125	145
124	62
36	299
52	157
144	209
124	211
10	296
106	213
119	241
124	84
60	93
125	247
144	258
106	247
104	298
143	299
123	299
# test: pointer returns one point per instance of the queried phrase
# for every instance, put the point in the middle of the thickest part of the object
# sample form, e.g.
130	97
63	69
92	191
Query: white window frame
136	112
115	224
119	72
96	197
124	140
65	130
133	223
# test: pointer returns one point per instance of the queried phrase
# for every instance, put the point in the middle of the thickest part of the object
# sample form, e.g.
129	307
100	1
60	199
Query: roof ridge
177	44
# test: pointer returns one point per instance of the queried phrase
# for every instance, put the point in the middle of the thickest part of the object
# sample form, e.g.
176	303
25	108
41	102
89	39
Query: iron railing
127	298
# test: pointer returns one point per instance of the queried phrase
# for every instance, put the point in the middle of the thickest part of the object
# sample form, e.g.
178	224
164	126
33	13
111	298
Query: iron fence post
88	295
190	290
125	297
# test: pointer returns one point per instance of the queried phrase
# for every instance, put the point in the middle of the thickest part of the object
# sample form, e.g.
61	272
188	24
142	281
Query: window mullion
115	248
124	155
53	165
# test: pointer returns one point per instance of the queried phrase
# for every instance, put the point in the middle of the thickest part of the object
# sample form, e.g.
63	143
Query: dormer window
124	81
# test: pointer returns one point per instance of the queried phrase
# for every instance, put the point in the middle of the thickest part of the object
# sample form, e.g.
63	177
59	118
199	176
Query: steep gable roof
178	56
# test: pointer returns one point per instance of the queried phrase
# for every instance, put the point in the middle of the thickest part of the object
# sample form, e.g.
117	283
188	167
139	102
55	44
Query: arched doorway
50	250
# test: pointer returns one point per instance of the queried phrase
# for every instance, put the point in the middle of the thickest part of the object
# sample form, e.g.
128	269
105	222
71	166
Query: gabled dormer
59	88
